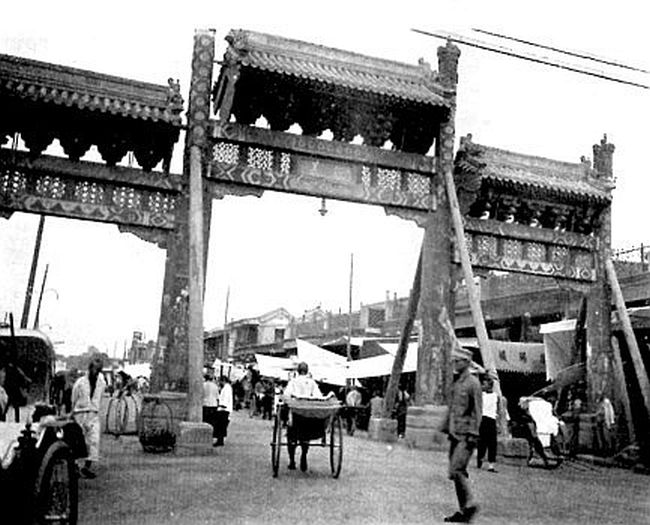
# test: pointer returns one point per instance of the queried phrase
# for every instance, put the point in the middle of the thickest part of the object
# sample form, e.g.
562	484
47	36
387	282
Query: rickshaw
316	422
38	479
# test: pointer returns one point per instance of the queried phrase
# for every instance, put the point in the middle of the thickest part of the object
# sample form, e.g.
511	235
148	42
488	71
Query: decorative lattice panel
161	203
486	246
388	179
366	177
559	255
126	197
12	182
226	153
260	158
51	187
512	249
89	193
536	252
419	184
285	163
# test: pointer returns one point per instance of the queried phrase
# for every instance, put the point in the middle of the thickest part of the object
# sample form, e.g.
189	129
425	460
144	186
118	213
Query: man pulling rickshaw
309	417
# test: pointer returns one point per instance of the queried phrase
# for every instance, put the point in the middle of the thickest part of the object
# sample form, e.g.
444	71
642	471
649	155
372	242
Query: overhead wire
577	54
495	48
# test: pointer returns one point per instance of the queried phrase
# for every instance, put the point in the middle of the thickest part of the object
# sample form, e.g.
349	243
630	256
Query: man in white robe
87	395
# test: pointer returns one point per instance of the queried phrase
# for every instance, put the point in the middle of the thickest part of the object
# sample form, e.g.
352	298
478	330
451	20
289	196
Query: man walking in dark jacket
462	426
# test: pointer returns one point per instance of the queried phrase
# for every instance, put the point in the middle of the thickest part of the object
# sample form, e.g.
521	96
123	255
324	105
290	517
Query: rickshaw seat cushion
314	408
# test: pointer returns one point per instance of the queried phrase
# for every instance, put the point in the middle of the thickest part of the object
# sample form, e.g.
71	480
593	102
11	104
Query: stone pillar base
194	439
422	424
513	450
382	429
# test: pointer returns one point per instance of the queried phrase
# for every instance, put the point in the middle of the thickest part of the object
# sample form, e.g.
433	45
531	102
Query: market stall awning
382	365
275	367
324	366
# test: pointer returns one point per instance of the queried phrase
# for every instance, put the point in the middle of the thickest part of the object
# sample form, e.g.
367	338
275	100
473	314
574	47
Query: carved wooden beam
301	144
531	234
91	171
86	190
326	178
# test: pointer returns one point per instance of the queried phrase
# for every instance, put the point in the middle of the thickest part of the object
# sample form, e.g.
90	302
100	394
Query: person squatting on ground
300	386
210	403
488	429
87	395
462	427
528	428
224	409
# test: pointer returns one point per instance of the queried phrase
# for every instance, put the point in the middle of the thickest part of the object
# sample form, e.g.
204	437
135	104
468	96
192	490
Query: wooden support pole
622	388
472	293
195	332
32	273
400	355
630	339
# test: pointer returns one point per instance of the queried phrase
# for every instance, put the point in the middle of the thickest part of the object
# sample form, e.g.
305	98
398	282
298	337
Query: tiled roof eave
86	101
431	98
53	83
591	194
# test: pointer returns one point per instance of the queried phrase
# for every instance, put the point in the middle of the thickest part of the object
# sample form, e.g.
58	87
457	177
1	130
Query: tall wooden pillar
434	350
600	362
435	296
171	371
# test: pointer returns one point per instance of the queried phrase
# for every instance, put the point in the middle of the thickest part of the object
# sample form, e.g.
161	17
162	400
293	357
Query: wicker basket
155	426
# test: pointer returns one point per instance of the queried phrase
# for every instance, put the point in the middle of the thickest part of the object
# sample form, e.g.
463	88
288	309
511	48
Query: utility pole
349	344
224	350
32	273
40	298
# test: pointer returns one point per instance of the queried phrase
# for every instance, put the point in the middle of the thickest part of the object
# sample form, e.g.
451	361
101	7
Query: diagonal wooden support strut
630	339
400	355
474	299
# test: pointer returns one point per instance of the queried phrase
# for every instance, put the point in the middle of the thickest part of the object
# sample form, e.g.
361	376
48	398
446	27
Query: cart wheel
276	445
56	488
336	446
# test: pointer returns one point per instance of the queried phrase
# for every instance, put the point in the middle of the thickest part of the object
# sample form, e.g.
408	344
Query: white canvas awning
138	370
382	365
276	367
324	366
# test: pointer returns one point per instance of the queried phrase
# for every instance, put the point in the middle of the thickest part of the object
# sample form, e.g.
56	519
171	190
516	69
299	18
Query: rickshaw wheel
56	488
276	444
336	445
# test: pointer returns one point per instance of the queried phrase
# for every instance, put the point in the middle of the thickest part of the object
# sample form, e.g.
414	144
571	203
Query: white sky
277	250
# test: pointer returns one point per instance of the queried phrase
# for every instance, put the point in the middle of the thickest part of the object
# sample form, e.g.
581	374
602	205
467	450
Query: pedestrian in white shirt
488	427
224	409
210	403
87	395
300	386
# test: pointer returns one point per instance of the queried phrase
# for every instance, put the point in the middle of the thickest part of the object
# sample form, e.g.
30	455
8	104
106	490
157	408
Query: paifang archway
320	88
565	228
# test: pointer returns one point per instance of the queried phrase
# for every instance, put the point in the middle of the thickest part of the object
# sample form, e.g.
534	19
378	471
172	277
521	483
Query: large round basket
155	426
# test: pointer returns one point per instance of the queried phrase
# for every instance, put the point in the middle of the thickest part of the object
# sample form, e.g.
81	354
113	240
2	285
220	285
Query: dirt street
378	484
